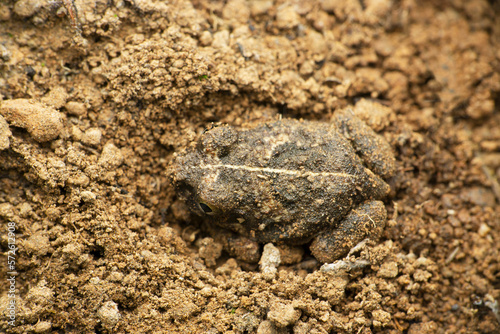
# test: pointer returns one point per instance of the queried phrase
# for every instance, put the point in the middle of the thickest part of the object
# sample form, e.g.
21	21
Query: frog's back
290	178
295	146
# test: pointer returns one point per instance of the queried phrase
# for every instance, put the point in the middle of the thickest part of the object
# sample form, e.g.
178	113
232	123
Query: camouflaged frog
291	181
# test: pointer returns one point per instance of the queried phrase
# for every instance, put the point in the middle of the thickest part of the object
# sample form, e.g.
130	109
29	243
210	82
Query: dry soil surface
97	95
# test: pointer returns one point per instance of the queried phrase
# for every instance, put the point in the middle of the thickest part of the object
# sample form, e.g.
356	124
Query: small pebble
115	276
88	196
221	39
270	261
374	114
236	10
5	12
206	38
260	7
38	244
56	97
24	209
423	328
484	230
6	211
79	179
421	275
4	134
479	196
72	251
92	137
76	108
388	270
111	156
287	17
267	327
283	315
109	314
27	8
40	294
76	133
381	318
43	327
210	251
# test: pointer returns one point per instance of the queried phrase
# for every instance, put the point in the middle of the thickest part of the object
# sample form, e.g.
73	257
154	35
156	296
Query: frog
290	181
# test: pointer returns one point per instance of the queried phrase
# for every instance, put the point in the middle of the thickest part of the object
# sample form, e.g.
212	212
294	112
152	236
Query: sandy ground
96	96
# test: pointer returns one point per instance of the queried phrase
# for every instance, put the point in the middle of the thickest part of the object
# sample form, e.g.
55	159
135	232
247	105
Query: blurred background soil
96	96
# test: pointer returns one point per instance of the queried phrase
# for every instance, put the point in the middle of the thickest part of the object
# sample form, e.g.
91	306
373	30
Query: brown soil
96	96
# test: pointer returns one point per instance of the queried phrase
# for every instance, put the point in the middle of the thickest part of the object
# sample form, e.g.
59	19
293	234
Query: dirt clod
283	315
42	122
109	314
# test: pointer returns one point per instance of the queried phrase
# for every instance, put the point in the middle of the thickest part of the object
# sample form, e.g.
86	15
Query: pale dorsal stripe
276	171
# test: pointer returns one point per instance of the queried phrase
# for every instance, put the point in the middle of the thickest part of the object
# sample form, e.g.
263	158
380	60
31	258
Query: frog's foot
346	265
373	148
360	246
365	221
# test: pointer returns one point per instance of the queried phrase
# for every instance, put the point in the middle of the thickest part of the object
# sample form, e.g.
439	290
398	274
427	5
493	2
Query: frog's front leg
370	146
365	221
234	244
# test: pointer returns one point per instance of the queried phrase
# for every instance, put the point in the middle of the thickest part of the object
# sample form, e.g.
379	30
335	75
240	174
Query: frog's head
195	172
191	178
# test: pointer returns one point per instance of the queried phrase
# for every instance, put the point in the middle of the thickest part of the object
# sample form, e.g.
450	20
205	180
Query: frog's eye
206	208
